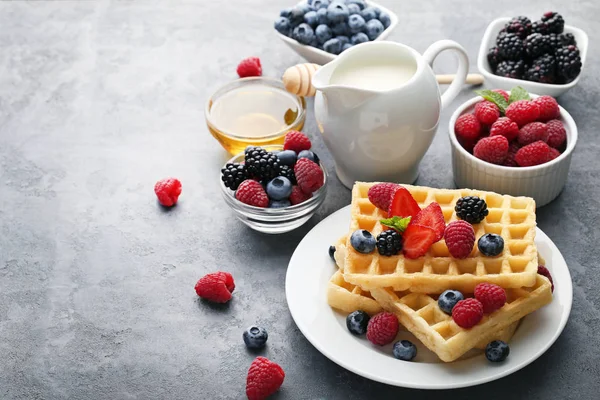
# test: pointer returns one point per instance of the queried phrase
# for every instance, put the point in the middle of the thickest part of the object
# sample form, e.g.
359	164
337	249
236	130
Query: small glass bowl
235	142
274	220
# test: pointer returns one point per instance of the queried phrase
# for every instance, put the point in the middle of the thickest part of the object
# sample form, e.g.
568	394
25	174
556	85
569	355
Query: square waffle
421	315
511	217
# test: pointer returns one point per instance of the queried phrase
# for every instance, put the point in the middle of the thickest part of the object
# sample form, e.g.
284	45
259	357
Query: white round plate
306	284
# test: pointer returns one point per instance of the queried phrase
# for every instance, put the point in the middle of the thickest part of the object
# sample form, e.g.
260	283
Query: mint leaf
397	223
518	93
495	98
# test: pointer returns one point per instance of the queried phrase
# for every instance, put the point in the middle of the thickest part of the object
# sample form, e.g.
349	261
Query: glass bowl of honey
255	111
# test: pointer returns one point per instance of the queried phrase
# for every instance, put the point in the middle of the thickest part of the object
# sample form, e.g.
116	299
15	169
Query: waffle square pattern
513	218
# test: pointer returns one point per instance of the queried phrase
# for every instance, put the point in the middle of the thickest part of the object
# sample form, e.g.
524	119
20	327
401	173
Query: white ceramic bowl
495	81
541	182
321	57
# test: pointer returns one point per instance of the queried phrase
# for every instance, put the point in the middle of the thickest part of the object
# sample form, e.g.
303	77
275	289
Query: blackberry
537	44
261	164
471	209
554	42
493	57
510	46
389	243
543	69
511	69
568	63
288	172
519	25
567	39
554	21
233	174
539	27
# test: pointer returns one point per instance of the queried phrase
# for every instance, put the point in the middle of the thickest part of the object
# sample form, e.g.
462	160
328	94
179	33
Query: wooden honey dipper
298	79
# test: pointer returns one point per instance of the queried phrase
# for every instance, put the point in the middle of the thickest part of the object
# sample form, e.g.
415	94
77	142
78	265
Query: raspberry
523	112
544	272
502	92
309	175
264	378
296	141
532	132
460	238
168	191
249	67
548	108
467	127
252	193
553	154
467	313
381	194
509	161
533	154
487	112
492	149
382	328
216	287
556	135
491	296
505	127
298	196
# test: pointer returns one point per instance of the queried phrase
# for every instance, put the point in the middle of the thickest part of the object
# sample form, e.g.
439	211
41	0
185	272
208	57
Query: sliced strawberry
431	217
403	204
417	240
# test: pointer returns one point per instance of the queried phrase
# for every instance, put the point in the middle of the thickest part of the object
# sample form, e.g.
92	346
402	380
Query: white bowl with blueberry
275	189
319	30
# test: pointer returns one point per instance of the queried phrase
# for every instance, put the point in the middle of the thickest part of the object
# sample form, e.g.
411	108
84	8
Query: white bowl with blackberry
319	30
545	56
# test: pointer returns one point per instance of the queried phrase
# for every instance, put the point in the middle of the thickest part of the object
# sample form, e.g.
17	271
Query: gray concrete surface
98	100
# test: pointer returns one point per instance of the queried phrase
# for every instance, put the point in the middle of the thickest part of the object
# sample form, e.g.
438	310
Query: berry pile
513	131
332	25
537	52
276	179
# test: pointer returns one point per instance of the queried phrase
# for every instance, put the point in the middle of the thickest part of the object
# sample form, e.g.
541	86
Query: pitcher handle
463	67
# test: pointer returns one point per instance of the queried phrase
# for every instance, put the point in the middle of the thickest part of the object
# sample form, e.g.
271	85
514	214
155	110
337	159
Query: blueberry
374	28
255	337
356	23
404	350
360	3
279	188
363	241
283	26
490	244
357	322
311	18
305	7
323	33
279	203
448	300
314	43
359	38
287	157
346	47
303	33
497	351
385	20
337	12
370	13
343	39
333	46
319	4
297	15
308	154
322	16
332	252
286	13
353	9
340	29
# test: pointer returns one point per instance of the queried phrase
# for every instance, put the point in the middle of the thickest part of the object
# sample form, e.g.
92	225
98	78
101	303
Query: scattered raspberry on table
168	191
216	287
264	378
249	67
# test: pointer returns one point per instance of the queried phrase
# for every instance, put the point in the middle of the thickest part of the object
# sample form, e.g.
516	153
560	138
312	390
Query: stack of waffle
409	287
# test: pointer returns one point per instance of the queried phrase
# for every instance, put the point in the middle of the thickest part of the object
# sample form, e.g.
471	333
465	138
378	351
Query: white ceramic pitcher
382	135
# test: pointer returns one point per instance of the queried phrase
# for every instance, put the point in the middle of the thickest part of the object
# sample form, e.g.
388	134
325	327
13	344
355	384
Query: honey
255	111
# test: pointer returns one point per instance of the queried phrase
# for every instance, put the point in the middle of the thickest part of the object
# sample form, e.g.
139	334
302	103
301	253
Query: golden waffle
511	217
348	298
421	315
